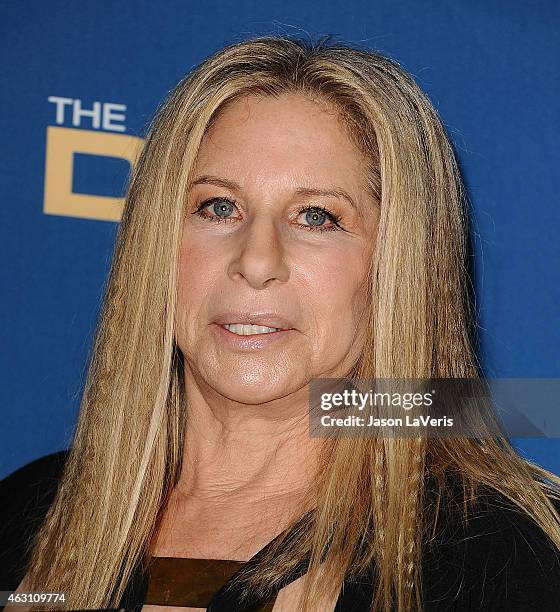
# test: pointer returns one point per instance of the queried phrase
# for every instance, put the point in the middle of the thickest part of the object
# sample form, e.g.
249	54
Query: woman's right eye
220	207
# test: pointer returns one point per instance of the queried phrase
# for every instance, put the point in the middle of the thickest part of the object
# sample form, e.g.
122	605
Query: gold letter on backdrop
62	143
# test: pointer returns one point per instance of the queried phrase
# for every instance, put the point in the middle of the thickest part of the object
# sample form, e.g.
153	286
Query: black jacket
500	561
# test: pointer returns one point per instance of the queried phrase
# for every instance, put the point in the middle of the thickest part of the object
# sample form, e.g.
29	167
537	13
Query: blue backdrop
80	81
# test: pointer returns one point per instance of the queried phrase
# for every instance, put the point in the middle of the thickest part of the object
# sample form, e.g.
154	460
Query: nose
259	256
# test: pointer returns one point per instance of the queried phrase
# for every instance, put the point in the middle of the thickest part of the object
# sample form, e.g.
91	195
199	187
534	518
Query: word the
104	116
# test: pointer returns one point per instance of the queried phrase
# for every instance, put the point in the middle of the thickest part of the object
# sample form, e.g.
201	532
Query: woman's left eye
223	207
314	214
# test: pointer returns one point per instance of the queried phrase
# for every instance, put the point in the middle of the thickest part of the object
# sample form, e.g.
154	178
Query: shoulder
500	559
26	496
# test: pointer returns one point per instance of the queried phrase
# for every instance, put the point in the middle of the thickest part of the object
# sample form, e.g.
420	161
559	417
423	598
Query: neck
246	452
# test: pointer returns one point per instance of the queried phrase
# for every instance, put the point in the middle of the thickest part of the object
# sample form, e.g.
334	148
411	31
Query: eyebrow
332	192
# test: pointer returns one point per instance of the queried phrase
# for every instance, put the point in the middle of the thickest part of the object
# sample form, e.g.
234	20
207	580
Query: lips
268	319
250	342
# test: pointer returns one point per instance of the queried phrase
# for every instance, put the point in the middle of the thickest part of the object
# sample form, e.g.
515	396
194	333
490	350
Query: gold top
176	581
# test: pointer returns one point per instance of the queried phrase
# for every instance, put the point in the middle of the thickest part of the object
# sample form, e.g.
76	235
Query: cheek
335	293
196	277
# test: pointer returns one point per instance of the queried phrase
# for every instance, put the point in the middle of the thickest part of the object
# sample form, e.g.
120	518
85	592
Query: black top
500	561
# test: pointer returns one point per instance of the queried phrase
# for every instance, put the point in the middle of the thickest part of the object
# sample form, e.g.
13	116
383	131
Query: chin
250	388
254	391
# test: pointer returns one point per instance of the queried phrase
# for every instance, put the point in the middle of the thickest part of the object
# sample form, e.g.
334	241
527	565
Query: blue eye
221	208
315	215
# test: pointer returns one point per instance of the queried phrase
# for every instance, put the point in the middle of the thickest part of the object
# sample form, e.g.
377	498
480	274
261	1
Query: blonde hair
127	451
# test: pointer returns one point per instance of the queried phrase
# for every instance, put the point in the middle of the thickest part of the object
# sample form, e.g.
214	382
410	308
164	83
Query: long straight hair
127	451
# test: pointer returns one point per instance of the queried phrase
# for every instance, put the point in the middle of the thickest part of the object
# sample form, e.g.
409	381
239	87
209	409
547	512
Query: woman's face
251	252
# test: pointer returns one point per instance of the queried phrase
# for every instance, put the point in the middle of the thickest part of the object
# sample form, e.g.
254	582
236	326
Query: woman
296	213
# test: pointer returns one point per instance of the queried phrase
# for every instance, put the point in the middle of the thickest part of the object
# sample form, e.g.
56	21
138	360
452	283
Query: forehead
289	137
